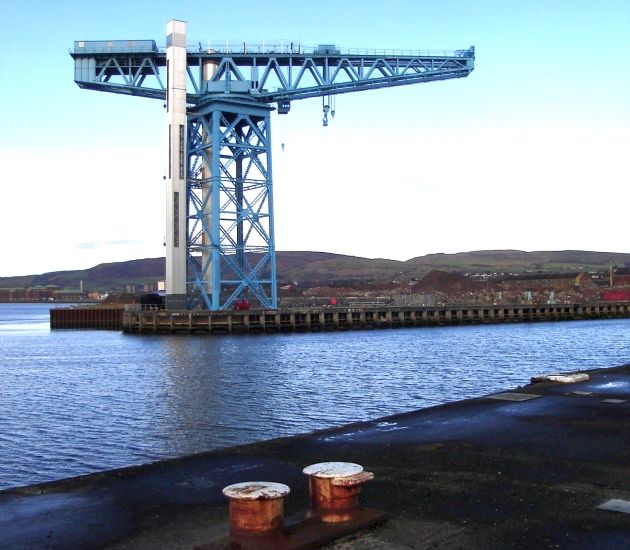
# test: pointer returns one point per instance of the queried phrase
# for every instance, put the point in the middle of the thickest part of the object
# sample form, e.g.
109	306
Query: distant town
438	288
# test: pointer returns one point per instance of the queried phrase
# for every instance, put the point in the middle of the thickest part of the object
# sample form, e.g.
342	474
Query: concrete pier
329	319
482	473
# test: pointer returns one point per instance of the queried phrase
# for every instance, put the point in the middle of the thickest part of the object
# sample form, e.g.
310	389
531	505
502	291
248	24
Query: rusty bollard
334	489
256	509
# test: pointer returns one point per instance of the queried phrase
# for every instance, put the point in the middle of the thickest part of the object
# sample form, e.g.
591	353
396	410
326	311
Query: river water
73	402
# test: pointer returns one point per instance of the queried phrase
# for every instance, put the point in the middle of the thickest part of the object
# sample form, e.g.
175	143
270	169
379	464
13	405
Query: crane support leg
231	250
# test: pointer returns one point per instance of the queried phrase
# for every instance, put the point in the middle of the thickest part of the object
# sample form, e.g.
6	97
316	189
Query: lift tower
220	228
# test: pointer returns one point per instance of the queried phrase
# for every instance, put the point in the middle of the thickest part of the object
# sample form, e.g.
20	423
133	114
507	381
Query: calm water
73	402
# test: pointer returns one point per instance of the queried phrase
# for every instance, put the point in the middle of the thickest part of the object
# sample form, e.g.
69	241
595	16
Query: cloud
124	242
93	245
88	246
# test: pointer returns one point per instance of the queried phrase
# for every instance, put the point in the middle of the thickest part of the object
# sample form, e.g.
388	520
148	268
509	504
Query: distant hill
516	261
102	277
323	268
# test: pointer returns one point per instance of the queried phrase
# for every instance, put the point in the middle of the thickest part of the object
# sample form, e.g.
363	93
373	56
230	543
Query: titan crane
220	227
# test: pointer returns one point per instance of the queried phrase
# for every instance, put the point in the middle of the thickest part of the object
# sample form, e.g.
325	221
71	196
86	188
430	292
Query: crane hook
325	119
326	106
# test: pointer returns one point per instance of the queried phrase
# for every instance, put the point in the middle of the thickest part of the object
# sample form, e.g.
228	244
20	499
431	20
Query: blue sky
528	152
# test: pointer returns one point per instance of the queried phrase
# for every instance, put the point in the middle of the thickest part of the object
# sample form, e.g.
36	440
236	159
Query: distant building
12	294
621	277
49	293
70	296
28	294
548	281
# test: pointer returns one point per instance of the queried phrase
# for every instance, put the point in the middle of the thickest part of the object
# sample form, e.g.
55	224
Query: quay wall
99	318
330	319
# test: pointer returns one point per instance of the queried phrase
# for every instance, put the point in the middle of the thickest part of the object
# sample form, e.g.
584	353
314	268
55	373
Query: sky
529	152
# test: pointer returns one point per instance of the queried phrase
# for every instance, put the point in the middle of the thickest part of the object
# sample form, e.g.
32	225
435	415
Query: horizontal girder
267	76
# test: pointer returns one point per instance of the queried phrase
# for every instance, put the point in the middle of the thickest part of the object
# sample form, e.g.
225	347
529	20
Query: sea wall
86	318
329	319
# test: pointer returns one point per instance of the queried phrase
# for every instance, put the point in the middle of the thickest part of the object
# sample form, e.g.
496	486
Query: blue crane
220	227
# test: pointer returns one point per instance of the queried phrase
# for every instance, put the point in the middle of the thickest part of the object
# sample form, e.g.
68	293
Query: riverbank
479	473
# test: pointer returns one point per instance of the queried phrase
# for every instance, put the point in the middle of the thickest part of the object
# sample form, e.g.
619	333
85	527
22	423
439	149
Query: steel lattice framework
230	218
276	74
220	144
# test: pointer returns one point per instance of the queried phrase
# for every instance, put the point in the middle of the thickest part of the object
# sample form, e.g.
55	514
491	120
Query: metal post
208	70
240	252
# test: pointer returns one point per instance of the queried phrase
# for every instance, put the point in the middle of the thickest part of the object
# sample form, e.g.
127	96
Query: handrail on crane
263	48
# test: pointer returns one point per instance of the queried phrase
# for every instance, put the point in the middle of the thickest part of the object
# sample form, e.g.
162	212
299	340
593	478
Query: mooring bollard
256	508
334	489
257	511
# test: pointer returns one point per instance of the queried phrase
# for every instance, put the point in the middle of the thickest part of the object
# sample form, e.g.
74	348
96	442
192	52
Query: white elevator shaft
176	200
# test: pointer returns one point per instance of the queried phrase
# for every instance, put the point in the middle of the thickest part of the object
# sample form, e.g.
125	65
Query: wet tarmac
479	473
